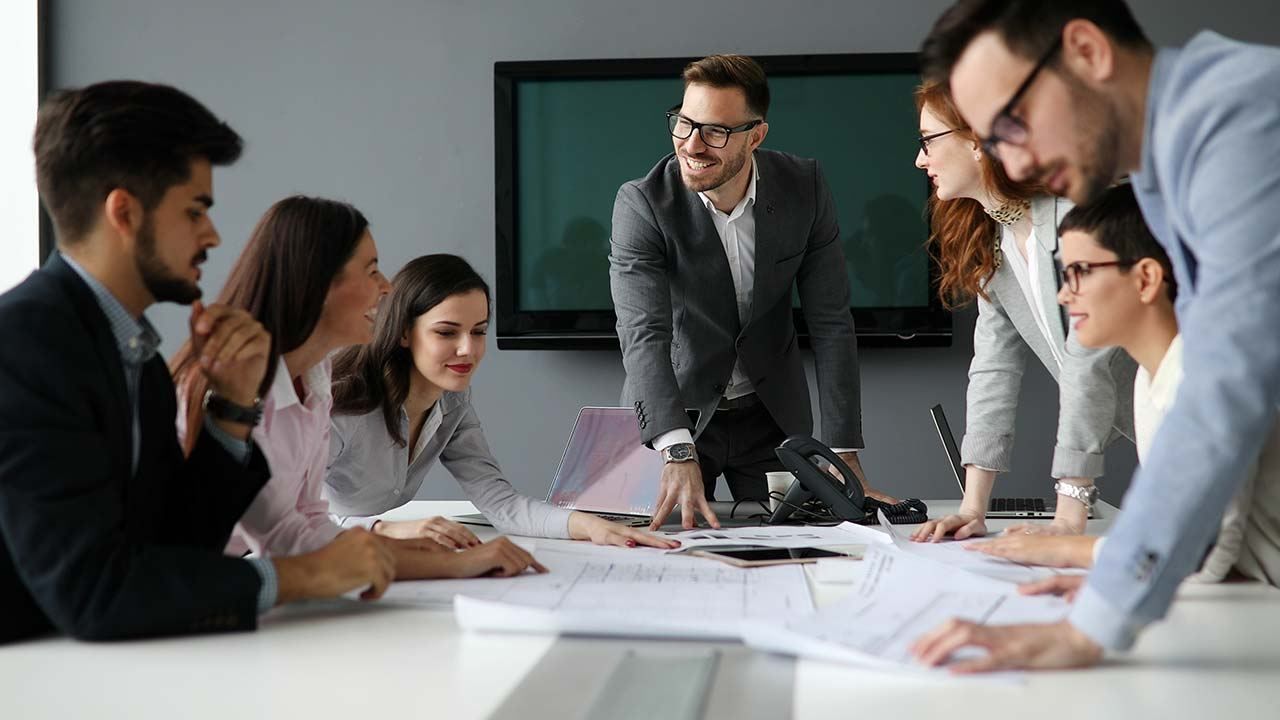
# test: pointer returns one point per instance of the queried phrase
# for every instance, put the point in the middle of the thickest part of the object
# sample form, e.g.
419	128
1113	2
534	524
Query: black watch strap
221	408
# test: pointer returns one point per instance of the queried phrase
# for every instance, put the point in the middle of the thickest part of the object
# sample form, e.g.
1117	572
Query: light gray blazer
678	318
1095	387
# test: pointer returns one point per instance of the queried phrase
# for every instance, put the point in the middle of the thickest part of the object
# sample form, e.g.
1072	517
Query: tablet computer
758	557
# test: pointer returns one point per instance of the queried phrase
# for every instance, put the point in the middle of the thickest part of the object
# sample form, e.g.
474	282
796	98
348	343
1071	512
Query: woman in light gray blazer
402	403
995	242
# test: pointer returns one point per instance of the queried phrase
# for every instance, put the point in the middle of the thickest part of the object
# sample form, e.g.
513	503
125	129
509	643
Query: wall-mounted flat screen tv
570	133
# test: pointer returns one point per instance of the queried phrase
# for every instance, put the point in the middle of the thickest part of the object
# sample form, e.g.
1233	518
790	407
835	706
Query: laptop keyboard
633	520
1017	505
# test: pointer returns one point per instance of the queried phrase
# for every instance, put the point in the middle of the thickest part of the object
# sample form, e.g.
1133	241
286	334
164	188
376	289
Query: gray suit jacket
678	320
1095	387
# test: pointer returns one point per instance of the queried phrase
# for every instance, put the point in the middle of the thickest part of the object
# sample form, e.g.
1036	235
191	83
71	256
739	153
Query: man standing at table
106	530
1075	96
704	254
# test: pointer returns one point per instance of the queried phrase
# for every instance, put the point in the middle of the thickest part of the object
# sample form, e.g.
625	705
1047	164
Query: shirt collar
1165	381
750	197
136	338
316	382
1161	74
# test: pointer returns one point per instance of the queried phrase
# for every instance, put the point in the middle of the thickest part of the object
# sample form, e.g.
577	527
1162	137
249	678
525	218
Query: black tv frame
926	326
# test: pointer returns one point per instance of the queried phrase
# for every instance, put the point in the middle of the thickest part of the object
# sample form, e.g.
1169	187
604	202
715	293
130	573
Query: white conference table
1217	655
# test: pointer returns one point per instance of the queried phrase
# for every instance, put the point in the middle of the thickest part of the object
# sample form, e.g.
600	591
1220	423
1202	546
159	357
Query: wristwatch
680	452
1087	494
216	406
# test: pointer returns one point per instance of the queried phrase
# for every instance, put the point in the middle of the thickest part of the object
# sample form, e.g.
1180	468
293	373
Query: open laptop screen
605	468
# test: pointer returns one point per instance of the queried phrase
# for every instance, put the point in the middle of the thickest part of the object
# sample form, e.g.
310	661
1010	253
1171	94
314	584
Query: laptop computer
999	508
604	470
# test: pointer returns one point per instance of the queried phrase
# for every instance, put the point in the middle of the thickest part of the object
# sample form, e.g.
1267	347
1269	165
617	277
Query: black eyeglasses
1072	273
924	140
716	136
1006	128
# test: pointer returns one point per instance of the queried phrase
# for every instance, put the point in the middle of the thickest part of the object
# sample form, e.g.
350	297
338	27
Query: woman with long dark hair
994	241
310	276
403	402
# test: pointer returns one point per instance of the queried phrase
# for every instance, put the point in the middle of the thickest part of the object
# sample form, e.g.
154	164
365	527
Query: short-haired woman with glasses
994	241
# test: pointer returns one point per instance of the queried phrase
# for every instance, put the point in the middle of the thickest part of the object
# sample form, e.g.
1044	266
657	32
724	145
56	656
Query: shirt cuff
350	521
270	590
1104	624
1097	549
841	450
1068	463
239	449
672	437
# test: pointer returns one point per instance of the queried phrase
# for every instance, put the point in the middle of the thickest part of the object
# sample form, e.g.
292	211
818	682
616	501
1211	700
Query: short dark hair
1028	27
1115	222
732	71
125	134
376	376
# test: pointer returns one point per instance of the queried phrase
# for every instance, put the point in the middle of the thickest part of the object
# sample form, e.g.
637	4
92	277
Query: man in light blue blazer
1074	95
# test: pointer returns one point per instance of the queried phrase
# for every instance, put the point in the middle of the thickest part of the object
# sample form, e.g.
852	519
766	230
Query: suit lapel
710	264
98	329
767	210
1045	224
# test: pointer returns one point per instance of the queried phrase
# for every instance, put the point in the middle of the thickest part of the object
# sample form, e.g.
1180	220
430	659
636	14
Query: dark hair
962	236
1027	27
283	276
1114	221
732	71
376	376
123	134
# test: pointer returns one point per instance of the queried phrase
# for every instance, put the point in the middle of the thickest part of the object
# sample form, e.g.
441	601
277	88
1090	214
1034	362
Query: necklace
1010	212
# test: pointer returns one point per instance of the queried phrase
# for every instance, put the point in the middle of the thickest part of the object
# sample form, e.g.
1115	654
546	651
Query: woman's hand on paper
963	524
1062	551
446	532
585	526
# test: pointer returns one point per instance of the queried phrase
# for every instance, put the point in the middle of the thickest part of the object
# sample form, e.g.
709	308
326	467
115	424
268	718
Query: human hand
496	558
1054	528
1009	647
681	484
963	524
355	558
231	348
1063	586
851	459
585	526
1064	551
445	532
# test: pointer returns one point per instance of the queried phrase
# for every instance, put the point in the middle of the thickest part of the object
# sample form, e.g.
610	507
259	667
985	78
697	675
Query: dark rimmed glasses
716	136
1006	128
924	140
1072	273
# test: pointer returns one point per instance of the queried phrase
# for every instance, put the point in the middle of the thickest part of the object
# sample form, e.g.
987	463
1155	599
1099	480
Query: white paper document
619	593
896	598
778	536
953	554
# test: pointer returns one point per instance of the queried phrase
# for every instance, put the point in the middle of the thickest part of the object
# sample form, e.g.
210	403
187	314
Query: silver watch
1087	494
680	452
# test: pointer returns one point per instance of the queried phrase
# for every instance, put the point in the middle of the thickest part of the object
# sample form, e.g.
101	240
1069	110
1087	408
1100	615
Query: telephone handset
801	455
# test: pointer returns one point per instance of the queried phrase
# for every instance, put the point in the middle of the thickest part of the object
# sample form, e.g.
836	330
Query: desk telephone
805	458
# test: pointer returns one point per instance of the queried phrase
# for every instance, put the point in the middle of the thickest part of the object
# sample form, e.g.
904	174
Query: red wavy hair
962	236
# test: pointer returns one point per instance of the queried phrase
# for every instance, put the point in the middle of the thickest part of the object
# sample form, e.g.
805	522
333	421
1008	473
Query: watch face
679	452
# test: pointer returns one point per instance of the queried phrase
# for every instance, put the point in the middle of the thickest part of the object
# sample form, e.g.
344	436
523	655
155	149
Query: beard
729	168
1099	144
163	285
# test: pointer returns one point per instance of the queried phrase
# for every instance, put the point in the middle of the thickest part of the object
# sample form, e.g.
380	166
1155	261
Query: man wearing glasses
705	251
1075	96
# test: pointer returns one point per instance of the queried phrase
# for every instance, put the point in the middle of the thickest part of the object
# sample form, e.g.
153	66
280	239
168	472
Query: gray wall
389	105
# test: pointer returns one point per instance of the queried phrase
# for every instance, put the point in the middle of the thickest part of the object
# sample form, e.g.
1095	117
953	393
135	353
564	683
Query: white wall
19	213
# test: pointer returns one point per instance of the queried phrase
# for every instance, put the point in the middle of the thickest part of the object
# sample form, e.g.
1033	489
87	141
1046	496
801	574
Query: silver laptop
605	469
1000	508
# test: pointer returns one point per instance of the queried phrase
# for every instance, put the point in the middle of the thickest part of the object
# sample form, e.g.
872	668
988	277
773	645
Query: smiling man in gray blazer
704	254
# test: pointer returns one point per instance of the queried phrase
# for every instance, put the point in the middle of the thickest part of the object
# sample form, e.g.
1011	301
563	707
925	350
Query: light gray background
389	105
